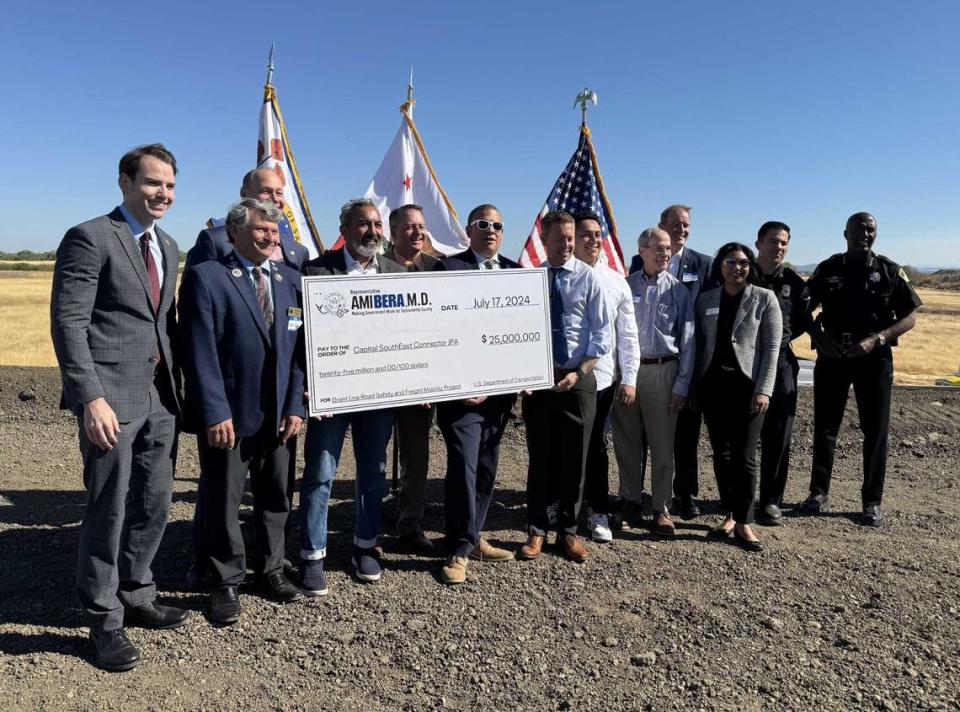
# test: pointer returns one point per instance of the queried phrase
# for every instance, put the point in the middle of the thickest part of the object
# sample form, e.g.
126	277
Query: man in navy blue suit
213	242
692	268
472	428
240	324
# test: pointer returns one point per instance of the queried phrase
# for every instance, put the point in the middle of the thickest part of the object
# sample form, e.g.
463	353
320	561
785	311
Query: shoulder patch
901	273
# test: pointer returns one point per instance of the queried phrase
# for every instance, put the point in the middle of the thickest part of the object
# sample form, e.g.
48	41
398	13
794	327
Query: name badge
713	311
294	318
689	277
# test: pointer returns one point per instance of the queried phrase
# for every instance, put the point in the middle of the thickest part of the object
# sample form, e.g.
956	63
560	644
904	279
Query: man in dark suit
113	327
213	242
472	428
692	268
408	233
240	319
362	230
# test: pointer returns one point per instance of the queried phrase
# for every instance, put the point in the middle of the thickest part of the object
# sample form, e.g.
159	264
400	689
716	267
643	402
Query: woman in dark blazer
738	328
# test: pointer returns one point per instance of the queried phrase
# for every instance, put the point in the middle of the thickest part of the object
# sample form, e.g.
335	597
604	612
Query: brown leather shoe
663	525
486	551
454	571
533	547
572	547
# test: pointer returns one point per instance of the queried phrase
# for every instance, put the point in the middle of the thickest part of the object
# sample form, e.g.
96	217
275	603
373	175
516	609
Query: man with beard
362	230
866	304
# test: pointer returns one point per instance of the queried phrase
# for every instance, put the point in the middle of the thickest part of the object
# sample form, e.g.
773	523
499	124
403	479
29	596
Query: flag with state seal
578	189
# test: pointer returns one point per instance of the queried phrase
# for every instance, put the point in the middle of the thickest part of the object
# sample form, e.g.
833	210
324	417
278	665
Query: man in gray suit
408	234
113	325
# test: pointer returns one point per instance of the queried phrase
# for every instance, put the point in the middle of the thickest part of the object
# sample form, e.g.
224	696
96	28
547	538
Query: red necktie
152	274
265	306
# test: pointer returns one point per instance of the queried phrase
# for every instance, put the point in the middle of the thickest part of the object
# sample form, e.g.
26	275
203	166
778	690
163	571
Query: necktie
490	264
153	276
558	333
263	296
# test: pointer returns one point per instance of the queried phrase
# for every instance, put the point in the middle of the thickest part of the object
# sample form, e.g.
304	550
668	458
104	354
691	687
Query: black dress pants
558	435
223	473
734	434
596	480
686	480
777	432
872	380
472	435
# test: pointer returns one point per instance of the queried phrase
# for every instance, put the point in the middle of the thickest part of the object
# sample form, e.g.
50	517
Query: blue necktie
560	353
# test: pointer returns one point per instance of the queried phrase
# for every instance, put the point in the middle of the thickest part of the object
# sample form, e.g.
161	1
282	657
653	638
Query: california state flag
273	151
406	176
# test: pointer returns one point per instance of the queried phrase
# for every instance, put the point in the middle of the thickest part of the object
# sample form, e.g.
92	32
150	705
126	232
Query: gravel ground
830	616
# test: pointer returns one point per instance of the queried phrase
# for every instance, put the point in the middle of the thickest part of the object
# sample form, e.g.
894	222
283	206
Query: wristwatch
881	339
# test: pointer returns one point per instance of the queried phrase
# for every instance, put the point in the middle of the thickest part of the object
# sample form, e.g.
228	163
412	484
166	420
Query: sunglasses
734	262
487	224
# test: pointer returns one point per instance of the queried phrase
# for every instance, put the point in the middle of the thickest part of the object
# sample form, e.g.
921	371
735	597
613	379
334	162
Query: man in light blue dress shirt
664	311
559	420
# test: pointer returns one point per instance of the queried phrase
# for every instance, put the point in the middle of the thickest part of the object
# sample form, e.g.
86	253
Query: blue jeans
371	432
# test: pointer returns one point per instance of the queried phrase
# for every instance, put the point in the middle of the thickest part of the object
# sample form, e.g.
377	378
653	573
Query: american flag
578	189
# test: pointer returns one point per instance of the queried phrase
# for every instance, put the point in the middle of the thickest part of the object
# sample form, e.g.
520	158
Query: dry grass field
930	351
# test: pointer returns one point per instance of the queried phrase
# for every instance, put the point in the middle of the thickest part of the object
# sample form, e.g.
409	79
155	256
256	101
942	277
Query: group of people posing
684	339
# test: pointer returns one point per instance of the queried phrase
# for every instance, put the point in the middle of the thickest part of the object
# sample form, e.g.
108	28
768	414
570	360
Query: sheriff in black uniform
773	239
867	303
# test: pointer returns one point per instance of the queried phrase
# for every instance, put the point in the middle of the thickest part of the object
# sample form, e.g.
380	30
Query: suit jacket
105	332
757	330
467	260
427	262
214	243
333	262
233	366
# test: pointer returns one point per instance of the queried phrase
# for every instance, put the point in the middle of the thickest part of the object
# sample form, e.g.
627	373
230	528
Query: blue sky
747	111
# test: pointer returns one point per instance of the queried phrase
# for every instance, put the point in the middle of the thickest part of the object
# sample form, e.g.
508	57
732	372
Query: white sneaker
600	529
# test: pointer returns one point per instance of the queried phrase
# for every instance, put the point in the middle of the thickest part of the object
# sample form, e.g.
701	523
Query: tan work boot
485	551
454	571
533	547
572	547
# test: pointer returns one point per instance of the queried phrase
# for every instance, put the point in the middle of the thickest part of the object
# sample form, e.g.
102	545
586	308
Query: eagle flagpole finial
584	98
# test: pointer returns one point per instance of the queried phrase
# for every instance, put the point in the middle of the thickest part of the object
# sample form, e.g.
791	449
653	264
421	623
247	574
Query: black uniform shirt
791	292
857	300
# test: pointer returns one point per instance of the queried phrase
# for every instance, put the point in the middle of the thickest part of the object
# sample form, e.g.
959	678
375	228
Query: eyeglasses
487	224
734	262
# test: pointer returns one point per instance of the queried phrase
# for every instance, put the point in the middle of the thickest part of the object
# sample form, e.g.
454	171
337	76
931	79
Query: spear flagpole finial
407	106
584	98
273	47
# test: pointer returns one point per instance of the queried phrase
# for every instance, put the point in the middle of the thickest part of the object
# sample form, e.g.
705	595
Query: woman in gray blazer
738	330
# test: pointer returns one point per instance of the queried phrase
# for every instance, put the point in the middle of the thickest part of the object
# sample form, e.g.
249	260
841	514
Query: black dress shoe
687	508
771	516
225	605
417	543
153	615
278	587
115	653
747	544
872	516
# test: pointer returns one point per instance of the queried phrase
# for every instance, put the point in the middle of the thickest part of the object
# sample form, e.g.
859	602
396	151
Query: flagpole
273	47
407	106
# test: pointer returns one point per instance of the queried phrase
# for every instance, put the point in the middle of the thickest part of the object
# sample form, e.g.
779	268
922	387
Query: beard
367	246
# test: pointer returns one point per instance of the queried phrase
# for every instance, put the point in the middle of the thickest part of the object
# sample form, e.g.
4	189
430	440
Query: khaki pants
649	416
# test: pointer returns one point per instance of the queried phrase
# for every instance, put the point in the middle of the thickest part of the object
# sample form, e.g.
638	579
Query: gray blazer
757	331
105	333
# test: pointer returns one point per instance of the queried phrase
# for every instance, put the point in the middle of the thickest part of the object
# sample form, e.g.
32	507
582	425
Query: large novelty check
378	341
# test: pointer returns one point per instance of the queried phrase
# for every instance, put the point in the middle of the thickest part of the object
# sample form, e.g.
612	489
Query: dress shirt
137	229
486	262
586	323
353	267
674	267
265	268
664	312
623	360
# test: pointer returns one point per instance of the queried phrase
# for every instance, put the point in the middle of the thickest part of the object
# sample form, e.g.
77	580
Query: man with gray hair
362	230
240	328
664	312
